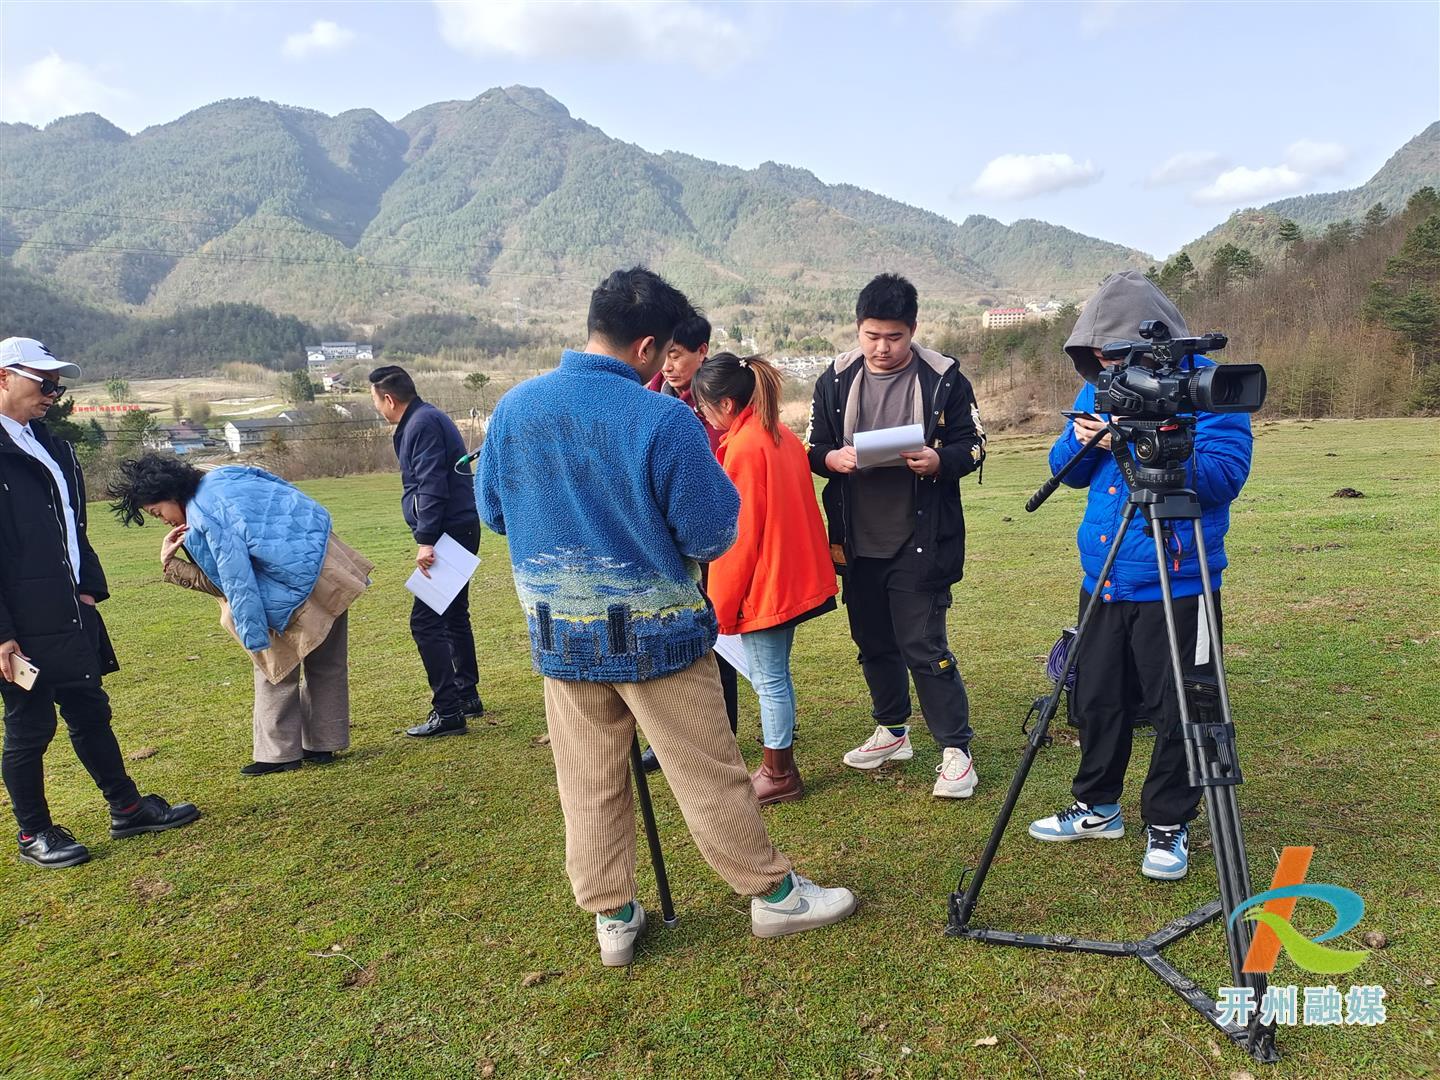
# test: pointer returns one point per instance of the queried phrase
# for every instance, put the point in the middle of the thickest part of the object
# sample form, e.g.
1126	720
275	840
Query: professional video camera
1153	383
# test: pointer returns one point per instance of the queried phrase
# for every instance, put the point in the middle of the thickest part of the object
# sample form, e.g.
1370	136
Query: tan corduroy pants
292	716
683	716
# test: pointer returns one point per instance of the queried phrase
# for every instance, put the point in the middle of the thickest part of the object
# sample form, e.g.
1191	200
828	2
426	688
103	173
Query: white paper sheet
883	447
729	646
453	567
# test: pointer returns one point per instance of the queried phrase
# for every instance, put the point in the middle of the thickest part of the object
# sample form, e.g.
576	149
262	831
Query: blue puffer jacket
1217	471
261	541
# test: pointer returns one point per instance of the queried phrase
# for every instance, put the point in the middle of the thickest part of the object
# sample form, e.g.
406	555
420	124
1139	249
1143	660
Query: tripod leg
962	908
1227	838
652	834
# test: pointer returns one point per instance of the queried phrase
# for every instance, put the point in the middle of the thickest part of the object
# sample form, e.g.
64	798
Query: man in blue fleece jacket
1123	671
437	497
611	499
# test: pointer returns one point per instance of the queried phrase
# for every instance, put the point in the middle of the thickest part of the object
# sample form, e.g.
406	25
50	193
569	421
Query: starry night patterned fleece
611	499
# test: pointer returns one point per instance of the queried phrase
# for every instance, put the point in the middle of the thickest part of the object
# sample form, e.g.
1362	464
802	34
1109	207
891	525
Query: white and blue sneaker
1080	822
1167	852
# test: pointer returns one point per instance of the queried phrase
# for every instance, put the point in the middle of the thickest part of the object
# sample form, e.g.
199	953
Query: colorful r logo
1275	931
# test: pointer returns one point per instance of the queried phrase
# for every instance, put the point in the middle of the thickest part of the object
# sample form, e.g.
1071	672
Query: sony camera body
1152	381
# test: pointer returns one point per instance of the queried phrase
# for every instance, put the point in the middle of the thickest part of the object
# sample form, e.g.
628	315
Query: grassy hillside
383	917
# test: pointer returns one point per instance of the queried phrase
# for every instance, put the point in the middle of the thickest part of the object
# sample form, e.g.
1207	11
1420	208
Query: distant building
181	438
250	434
995	318
323	358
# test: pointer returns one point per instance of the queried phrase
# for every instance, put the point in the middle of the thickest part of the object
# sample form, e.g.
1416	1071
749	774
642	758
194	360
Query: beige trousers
292	716
683	716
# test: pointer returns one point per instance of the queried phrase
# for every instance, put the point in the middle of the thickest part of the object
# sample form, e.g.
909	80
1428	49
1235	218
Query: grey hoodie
1114	313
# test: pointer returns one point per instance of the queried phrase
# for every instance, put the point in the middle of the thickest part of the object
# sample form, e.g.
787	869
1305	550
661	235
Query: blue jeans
768	653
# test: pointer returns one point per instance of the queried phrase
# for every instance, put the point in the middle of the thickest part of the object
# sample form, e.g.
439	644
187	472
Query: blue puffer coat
1217	471
261	541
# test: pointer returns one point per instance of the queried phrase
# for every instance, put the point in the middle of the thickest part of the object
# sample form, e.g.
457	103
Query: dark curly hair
151	478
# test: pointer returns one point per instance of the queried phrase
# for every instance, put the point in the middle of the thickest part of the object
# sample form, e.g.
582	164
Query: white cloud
1019	176
52	87
1242	184
663	29
969	19
323	36
1305	160
1186	165
1316	158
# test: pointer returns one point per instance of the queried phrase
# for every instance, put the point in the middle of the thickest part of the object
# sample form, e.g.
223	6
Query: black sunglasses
47	387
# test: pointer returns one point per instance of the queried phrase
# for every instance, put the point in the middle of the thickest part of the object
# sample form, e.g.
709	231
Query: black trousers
29	727
730	685
900	632
1123	674
447	643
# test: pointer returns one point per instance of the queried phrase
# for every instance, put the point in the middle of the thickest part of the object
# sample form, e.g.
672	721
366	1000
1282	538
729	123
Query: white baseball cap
27	352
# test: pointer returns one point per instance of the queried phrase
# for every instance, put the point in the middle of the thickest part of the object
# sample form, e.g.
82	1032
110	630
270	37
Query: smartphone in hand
22	672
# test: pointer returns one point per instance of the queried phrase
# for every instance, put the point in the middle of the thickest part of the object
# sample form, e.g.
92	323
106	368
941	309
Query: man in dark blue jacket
1123	671
437	498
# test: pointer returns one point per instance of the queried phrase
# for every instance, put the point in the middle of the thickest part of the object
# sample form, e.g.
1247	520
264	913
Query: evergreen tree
1376	216
134	427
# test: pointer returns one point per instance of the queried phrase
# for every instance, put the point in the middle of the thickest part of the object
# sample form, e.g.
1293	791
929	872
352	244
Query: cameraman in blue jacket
1123	671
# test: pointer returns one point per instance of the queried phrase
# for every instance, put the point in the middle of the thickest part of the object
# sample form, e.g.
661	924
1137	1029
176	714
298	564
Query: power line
300	231
359	263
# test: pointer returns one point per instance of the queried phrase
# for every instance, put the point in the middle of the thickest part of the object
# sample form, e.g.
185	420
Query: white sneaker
880	748
807	907
957	777
617	939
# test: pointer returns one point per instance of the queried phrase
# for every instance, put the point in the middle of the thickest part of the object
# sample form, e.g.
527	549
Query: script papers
453	567
884	447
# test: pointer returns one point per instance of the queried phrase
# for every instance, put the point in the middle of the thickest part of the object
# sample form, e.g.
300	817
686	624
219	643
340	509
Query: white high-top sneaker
880	748
808	907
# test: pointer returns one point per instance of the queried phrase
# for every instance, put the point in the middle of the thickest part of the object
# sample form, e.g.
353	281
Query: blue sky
1142	123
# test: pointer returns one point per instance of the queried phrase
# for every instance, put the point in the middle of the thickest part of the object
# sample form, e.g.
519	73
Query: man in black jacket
897	530
50	582
437	498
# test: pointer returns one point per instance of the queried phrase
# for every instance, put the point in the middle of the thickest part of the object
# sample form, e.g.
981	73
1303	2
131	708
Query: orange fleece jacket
779	567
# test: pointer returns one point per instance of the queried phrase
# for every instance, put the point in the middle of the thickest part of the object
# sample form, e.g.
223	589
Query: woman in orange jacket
778	573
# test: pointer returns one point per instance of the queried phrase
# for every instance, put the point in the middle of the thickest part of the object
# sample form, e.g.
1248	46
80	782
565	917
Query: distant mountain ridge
505	202
1413	166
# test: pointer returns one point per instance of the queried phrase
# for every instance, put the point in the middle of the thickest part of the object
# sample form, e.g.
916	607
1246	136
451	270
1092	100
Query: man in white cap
53	645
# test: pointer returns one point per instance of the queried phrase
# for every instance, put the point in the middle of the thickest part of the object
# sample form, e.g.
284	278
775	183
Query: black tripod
652	834
1209	739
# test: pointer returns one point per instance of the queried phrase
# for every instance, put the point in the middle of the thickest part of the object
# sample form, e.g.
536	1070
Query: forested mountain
1414	166
503	200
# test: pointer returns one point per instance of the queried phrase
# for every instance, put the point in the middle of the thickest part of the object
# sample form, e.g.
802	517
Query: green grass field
386	916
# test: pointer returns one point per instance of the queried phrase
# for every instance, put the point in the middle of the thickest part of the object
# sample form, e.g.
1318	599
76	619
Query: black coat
436	497
39	601
936	552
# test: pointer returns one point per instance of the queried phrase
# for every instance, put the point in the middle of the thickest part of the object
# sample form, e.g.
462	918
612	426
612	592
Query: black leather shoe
318	757
435	724
648	761
53	848
265	768
472	708
153	814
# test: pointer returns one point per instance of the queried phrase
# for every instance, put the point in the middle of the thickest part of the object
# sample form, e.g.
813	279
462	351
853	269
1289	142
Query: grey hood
1114	313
